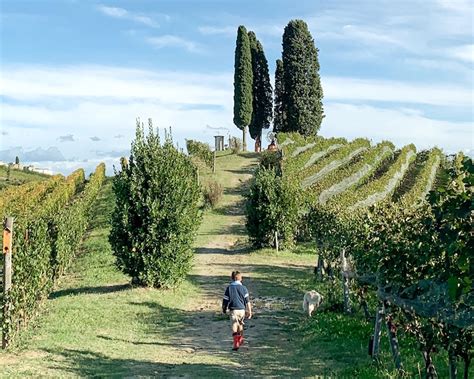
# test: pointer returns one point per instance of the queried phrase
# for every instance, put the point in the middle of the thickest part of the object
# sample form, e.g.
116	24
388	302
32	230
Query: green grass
18	177
96	324
90	319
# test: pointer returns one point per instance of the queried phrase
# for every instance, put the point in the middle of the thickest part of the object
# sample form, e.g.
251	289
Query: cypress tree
302	99
278	119
262	91
243	81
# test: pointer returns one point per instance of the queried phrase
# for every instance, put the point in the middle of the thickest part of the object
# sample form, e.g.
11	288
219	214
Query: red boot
241	339
236	337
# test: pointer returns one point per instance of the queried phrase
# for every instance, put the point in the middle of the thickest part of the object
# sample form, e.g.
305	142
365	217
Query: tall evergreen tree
262	112
243	82
278	116
302	99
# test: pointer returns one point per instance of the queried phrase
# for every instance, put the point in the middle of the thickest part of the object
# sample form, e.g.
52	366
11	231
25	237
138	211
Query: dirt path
96	324
222	246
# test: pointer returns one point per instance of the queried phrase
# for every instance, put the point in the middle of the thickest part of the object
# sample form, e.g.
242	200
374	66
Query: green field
18	177
95	323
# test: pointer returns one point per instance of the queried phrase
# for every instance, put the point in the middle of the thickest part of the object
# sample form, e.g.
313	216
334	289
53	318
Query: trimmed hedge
45	240
381	188
348	177
333	161
299	160
425	179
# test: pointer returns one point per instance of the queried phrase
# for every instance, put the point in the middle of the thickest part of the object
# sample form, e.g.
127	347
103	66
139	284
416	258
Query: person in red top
236	299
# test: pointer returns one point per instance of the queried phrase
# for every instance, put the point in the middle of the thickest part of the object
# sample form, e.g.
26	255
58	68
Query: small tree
243	82
272	209
200	150
156	211
303	95
17	160
279	119
262	103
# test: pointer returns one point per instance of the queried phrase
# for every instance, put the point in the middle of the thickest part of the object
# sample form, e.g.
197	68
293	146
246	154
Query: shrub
272	206
271	160
235	144
200	150
212	192
156	213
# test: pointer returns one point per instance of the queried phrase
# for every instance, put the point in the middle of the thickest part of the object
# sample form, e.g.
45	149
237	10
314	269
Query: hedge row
348	177
26	195
310	153
333	161
381	188
46	235
289	142
425	179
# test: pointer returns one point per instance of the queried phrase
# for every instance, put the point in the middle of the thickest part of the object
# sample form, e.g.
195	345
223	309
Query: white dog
311	302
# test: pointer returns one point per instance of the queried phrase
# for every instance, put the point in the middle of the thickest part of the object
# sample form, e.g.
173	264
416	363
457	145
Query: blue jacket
236	296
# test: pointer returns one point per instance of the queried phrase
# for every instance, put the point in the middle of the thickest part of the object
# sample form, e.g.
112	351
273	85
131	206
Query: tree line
295	105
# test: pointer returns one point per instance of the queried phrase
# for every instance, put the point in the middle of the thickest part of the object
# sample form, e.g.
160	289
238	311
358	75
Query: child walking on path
236	299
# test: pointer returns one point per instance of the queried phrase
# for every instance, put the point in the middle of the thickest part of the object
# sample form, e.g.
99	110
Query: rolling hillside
357	174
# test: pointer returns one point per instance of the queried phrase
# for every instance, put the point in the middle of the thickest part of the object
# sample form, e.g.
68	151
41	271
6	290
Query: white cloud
461	6
174	41
362	35
337	88
37	82
465	52
417	29
456	68
261	29
397	125
124	14
216	30
104	101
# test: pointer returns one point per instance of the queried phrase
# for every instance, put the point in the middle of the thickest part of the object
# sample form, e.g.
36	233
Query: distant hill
18	177
37	155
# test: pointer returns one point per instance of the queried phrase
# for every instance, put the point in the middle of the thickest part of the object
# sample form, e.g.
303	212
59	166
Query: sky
76	74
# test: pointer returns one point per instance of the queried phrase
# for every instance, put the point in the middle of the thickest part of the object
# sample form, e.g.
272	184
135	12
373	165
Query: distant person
236	299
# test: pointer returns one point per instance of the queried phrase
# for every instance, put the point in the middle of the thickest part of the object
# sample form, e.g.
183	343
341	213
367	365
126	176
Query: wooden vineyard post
214	162
276	241
7	271
379	316
392	336
345	282
320	267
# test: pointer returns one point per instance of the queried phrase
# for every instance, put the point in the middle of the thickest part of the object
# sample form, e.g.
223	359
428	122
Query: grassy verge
96	324
18	177
90	323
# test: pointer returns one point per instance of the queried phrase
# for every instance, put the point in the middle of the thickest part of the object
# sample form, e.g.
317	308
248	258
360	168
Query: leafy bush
200	150
272	206
271	160
235	144
212	192
156	213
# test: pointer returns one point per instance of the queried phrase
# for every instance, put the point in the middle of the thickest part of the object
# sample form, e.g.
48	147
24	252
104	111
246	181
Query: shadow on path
87	363
90	290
